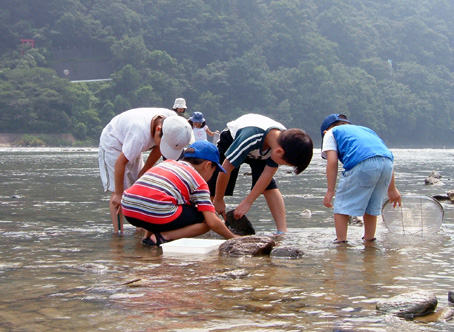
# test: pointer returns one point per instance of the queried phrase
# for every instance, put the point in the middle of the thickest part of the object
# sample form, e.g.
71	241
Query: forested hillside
386	64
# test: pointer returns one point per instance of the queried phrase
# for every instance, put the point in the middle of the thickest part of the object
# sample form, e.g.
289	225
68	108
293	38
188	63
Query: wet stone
441	197
235	274
450	195
253	245
451	297
446	314
352	220
92	268
241	226
442	315
286	253
409	305
433	178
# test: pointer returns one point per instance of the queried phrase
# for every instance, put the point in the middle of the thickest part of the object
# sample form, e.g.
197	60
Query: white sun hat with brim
176	134
179	103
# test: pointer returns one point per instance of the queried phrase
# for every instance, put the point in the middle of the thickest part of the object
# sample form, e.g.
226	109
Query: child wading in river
199	127
368	174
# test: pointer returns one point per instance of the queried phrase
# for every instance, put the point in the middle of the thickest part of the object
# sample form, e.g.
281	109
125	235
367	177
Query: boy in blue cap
368	174
172	200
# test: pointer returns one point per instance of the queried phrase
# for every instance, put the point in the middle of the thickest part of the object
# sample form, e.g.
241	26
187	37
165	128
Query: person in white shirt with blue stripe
264	144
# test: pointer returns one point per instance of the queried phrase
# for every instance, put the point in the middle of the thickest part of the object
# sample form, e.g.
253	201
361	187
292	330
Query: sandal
336	241
148	242
371	240
159	240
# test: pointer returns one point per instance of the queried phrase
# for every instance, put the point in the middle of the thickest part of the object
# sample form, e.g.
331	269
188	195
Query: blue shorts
364	188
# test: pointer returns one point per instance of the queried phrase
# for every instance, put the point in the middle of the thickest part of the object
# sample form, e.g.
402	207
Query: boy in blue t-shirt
368	174
264	144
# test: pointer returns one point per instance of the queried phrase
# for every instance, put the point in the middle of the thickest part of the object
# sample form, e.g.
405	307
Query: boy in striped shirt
172	200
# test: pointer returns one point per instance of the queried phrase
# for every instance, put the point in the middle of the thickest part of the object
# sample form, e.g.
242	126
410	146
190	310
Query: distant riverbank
14	139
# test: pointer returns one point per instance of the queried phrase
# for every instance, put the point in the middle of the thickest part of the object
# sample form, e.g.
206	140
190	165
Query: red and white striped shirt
157	197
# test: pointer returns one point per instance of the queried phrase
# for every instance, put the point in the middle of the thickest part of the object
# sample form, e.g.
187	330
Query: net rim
389	220
406	196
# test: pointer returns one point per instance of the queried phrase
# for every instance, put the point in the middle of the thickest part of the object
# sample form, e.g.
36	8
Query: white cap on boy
176	134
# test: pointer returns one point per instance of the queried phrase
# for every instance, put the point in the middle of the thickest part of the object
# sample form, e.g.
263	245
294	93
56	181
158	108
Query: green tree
35	100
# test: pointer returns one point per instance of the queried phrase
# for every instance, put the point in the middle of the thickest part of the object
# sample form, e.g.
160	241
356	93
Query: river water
62	269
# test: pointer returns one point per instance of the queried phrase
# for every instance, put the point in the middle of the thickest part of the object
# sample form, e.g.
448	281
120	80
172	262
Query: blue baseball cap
204	150
330	119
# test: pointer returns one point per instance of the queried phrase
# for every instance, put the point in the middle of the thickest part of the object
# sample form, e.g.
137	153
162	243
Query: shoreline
8	140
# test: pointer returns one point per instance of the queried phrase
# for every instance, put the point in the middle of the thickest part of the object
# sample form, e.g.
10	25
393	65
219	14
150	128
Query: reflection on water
62	269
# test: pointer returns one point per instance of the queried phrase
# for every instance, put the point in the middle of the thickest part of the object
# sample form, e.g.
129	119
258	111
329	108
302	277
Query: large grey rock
410	304
286	253
240	226
253	245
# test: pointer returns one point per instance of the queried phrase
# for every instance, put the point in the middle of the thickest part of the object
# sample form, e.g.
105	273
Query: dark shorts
189	216
257	167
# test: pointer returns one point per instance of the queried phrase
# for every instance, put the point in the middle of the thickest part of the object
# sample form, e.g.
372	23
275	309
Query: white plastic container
191	246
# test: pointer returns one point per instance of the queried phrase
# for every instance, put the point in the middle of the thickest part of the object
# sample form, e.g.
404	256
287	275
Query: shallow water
62	269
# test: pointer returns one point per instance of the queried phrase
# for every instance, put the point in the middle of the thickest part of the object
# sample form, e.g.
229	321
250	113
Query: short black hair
195	160
192	123
298	148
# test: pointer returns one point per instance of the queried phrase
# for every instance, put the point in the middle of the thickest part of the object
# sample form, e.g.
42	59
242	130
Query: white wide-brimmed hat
179	103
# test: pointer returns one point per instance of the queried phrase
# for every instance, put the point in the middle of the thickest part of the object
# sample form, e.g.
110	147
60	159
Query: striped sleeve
246	140
158	195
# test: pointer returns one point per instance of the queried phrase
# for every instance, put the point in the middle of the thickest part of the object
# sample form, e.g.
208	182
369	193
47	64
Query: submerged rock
410	304
353	220
306	213
286	253
448	197
235	274
240	226
446	314
92	268
451	195
253	245
433	178
451	297
441	197
442	315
